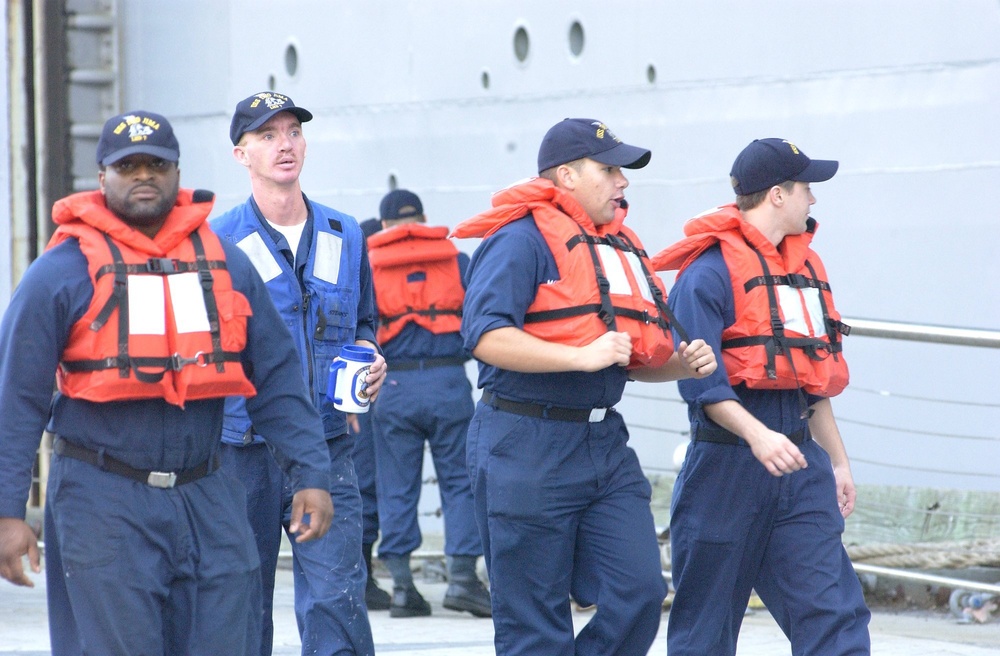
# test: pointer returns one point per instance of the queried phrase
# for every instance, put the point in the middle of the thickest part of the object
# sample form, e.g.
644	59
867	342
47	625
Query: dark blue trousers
564	507
329	573
133	569
432	406
364	464
735	528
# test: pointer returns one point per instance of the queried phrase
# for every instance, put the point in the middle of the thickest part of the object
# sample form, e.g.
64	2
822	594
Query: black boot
375	597
465	591
407	602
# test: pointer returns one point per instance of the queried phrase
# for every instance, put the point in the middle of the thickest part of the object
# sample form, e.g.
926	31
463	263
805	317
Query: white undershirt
293	235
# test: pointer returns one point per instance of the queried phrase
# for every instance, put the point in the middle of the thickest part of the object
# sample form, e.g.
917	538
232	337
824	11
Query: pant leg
255	467
401	428
721	516
617	545
134	557
329	572
806	579
533	480
62	625
364	465
448	400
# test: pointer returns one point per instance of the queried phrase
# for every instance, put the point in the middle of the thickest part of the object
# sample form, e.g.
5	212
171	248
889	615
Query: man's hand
776	452
376	373
318	505
608	349
697	358
17	540
846	492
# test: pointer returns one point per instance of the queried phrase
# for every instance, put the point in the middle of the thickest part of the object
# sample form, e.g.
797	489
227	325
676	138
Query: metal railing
914	332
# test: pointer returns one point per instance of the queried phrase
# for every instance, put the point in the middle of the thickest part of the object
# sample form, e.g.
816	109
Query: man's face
600	189
275	151
140	189
796	208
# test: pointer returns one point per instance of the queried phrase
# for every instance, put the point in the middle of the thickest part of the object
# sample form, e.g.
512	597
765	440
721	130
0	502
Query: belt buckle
162	480
597	414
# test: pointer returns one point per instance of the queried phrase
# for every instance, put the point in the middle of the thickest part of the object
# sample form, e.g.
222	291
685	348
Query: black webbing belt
722	436
164	480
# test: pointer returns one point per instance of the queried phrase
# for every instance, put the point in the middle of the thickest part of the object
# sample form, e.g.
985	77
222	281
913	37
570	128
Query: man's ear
776	195
566	175
240	155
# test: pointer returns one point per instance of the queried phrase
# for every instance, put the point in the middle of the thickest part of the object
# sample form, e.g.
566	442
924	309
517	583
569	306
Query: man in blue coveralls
562	308
418	276
761	498
151	321
312	259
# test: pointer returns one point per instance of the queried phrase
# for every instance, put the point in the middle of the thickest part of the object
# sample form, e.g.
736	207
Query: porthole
393	183
651	74
576	39
484	79
291	60
522	44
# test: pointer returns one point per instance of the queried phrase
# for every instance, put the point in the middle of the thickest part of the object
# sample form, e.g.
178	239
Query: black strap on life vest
119	300
432	312
606	310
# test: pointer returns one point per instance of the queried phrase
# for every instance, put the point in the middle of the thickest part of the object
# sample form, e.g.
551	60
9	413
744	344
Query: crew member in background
761	499
312	259
150	321
427	398
562	308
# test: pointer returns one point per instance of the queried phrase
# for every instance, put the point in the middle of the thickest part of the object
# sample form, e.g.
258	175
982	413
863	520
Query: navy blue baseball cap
400	204
137	132
575	138
768	162
255	111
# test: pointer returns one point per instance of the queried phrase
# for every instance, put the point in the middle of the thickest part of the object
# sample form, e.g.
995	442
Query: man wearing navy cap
313	262
760	501
149	322
562	309
427	398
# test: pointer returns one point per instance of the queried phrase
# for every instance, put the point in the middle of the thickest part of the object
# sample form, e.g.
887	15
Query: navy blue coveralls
178	563
735	528
326	302
426	397
562	505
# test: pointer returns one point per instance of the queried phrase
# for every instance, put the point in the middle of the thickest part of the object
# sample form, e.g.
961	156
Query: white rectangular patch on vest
146	306
188	300
327	261
792	302
613	270
255	248
640	276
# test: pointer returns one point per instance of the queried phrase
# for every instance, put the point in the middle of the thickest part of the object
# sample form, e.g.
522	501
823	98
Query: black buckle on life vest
162	265
798	281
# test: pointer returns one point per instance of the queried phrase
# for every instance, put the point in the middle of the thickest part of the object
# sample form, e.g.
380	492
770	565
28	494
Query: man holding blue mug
312	259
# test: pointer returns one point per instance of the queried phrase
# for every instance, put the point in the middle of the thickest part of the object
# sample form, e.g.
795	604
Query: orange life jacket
164	321
417	279
606	281
787	330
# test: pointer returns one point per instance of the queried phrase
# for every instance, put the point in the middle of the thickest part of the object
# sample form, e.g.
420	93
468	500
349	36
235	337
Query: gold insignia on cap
792	146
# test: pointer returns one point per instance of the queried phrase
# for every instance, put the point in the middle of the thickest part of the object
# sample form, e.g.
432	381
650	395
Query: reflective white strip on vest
798	304
255	248
188	300
639	275
147	304
611	261
327	260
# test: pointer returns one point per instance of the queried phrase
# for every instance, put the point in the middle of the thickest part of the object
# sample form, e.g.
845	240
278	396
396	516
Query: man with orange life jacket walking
562	308
151	321
427	398
761	498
